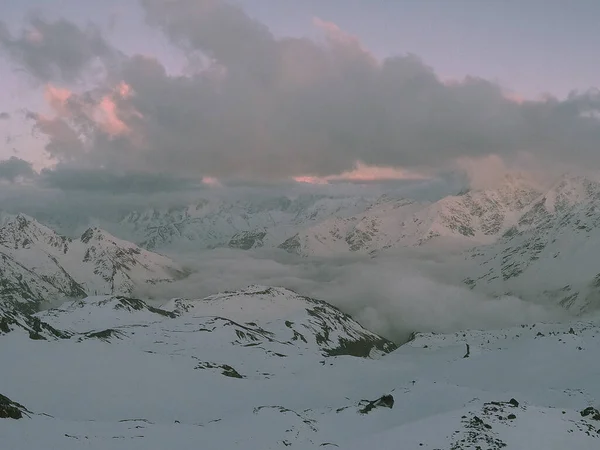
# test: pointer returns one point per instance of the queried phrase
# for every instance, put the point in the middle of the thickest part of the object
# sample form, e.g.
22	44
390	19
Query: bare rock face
247	240
10	409
385	401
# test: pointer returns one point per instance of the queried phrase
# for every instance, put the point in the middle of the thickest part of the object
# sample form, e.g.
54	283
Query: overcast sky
167	93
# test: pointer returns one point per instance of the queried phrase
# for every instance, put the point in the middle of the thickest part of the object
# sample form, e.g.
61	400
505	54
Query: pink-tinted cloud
515	97
211	181
34	36
310	180
57	98
104	112
106	115
365	173
340	38
124	90
276	108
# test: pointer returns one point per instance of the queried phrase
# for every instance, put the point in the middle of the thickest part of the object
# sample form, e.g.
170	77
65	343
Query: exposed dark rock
468	352
229	371
246	240
10	409
386	401
226	369
291	245
591	412
362	347
104	335
16	315
134	304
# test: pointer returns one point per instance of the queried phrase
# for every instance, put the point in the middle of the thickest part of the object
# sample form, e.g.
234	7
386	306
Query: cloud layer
14	168
267	108
393	295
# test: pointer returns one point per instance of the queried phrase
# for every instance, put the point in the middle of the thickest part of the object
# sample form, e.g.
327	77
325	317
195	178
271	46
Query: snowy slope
476	217
220	223
320	225
551	253
106	264
37	264
226	372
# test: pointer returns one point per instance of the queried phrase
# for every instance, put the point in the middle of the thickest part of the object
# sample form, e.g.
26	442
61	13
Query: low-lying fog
393	294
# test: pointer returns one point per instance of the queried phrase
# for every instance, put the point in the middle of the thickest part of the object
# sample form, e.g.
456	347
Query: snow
267	368
474	218
159	382
59	267
550	255
213	223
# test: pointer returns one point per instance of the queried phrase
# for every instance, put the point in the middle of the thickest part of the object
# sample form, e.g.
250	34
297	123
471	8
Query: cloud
395	295
4	116
54	50
13	168
104	181
364	174
261	107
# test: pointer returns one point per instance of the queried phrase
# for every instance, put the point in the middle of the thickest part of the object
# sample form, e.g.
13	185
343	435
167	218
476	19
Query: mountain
239	224
266	368
283	316
39	265
550	254
475	217
322	225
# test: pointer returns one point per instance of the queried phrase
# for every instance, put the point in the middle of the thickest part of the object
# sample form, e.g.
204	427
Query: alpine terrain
38	265
549	254
316	225
266	368
87	364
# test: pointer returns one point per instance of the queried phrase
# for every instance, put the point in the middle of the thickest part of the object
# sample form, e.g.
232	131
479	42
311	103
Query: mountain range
321	225
87	364
517	238
554	244
38	265
241	224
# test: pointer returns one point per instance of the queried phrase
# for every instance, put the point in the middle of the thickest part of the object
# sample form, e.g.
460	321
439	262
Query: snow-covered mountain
475	217
320	225
551	253
37	264
265	368
240	224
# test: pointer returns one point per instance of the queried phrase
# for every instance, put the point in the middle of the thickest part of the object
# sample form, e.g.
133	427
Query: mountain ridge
39	265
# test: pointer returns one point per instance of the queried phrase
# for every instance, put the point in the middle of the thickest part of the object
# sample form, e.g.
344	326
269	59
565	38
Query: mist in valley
393	294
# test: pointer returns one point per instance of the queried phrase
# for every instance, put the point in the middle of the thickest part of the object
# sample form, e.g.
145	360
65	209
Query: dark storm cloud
13	168
103	181
54	50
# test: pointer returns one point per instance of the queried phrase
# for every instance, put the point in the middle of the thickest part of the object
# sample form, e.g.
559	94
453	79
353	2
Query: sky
169	93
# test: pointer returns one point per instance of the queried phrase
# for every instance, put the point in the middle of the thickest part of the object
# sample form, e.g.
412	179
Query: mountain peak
93	233
45	266
571	190
315	323
22	221
23	231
